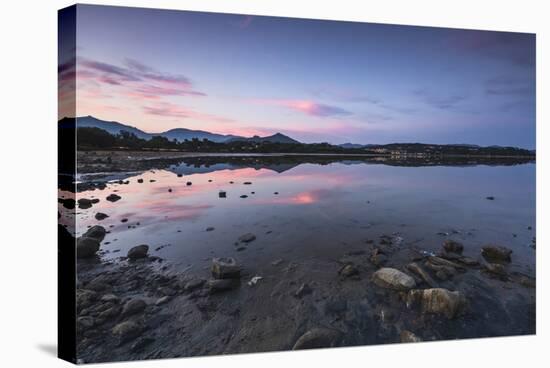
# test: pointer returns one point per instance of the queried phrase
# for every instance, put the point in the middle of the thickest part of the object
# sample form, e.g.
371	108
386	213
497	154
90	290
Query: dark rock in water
96	232
84	323
438	301
180	175
244	196
225	268
210	228
527	281
84	203
247	183
490	198
126	331
193	284
188	183
100	216
497	270
467	261
452	246
303	290
276	193
95	200
110	298
496	253
124	220
247	238
438	261
86	247
113	197
140	181
219	285
133	306
390	278
378	258
68	203
222	194
169	190
349	271
138	252
317	338
416	269
408	336
85	298
152	181
109	313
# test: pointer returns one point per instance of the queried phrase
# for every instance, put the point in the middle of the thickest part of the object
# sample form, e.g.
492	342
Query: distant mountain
182	134
275	138
351	145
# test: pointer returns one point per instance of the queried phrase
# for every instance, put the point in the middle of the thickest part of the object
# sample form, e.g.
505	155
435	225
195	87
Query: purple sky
313	80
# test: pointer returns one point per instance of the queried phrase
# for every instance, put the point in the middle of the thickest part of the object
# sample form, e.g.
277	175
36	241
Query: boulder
193	284
247	238
496	253
126	331
452	246
86	247
100	216
390	278
349	271
133	306
84	203
419	271
113	197
96	232
438	301
139	251
317	338
225	268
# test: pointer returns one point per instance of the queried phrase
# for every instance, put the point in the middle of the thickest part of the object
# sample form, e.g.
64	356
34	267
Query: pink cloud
307	107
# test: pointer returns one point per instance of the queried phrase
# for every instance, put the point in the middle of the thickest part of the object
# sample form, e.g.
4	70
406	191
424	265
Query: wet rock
124	220
244	196
188	183
222	194
96	232
490	198
169	190
141	343
390	278
193	284
416	269
133	306
140	181
179	175
247	183
468	261
84	203
452	246
210	228
162	300
126	331
496	253
438	261
109	313
85	298
86	247
349	271
100	216
441	272
110	298
378	258
247	238
68	203
317	338
408	336
84	323
527	281
139	251
113	197
303	290
438	301
496	270
220	285
225	268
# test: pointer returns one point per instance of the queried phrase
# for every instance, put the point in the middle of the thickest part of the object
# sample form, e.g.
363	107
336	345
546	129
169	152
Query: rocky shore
139	306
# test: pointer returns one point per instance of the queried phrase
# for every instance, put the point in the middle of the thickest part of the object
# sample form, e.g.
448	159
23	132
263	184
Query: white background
28	117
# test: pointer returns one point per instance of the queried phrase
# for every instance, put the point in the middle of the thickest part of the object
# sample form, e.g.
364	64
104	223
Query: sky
314	80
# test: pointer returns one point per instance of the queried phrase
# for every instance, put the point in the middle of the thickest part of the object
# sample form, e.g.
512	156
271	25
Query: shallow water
320	211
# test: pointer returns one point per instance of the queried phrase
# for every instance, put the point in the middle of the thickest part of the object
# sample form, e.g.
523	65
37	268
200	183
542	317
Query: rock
247	238
317	338
452	246
528	282
109	313
254	280
113	197
219	285
222	194
390	278
162	300
188	183
68	203
84	203
85	298
496	269
277	262
124	220
416	269
244	196
225	268
438	301
438	261
468	261
496	253
138	252
378	258
133	306
408	336
180	175
247	183
96	232
349	271
84	323
303	290
100	216
86	247
110	298
169	190
193	284
490	198
140	181
126	331
441	272
210	228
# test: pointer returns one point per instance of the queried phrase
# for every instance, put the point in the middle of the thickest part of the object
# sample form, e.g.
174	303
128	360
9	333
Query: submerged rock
349	271
133	306
225	268
86	247
390	278
139	251
408	336
247	238
496	253
84	203
126	331
100	216
303	290
438	301
113	197
416	269
219	285
96	232
452	246
317	338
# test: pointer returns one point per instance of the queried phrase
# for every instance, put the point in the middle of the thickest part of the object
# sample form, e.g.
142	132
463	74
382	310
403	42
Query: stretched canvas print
238	184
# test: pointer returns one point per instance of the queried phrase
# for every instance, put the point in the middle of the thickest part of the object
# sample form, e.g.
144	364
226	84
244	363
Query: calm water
319	211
